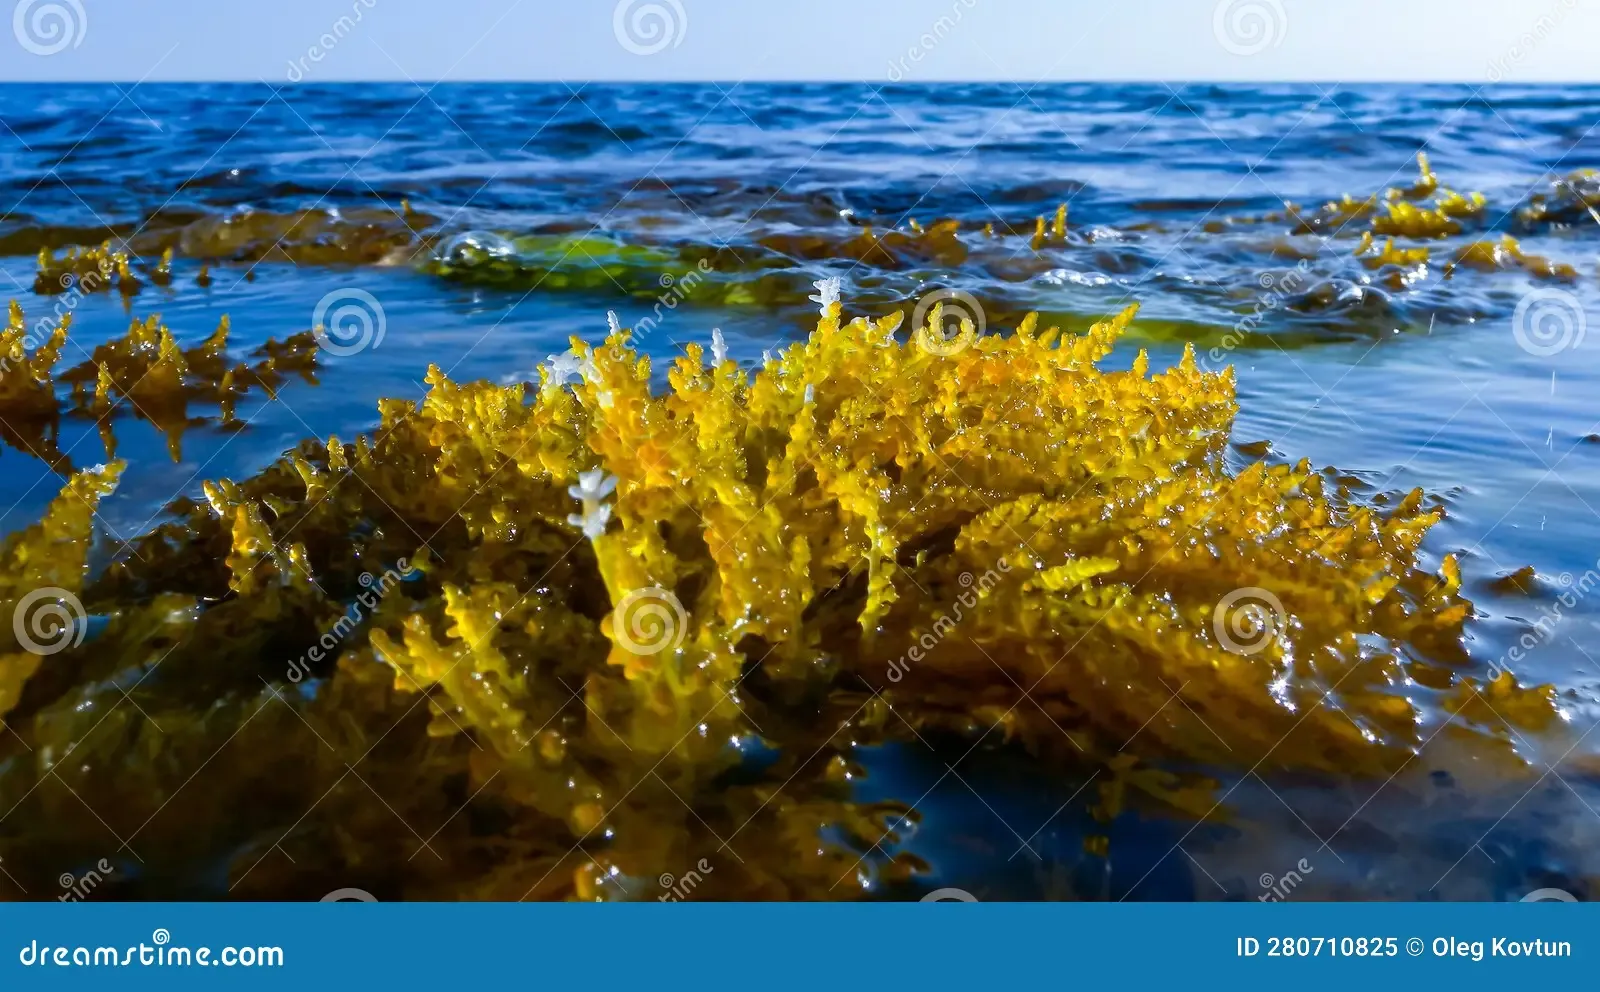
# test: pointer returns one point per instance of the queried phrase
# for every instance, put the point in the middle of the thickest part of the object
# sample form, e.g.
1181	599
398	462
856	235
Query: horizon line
885	84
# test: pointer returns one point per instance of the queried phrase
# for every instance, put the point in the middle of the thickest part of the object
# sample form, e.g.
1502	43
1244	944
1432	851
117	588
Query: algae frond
144	374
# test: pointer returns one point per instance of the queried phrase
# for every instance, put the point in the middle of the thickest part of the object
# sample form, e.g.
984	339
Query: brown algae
553	622
144	374
772	268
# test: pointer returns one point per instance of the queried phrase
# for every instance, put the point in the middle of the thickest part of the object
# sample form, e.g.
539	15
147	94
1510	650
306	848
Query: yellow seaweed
880	529
42	570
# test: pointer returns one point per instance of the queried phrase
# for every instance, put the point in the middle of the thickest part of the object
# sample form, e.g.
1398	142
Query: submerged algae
572	698
144	373
770	259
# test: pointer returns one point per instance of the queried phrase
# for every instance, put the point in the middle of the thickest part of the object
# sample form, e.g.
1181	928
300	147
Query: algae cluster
552	640
771	262
143	374
771	270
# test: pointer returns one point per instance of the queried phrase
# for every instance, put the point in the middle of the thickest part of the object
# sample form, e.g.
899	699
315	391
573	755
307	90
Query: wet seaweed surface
870	544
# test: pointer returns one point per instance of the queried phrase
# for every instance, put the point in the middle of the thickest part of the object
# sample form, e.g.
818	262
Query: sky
296	41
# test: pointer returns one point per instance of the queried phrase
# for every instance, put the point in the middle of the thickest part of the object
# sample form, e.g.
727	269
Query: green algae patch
551	623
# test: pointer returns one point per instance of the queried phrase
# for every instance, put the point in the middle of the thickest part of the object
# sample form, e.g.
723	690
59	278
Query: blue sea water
1425	382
